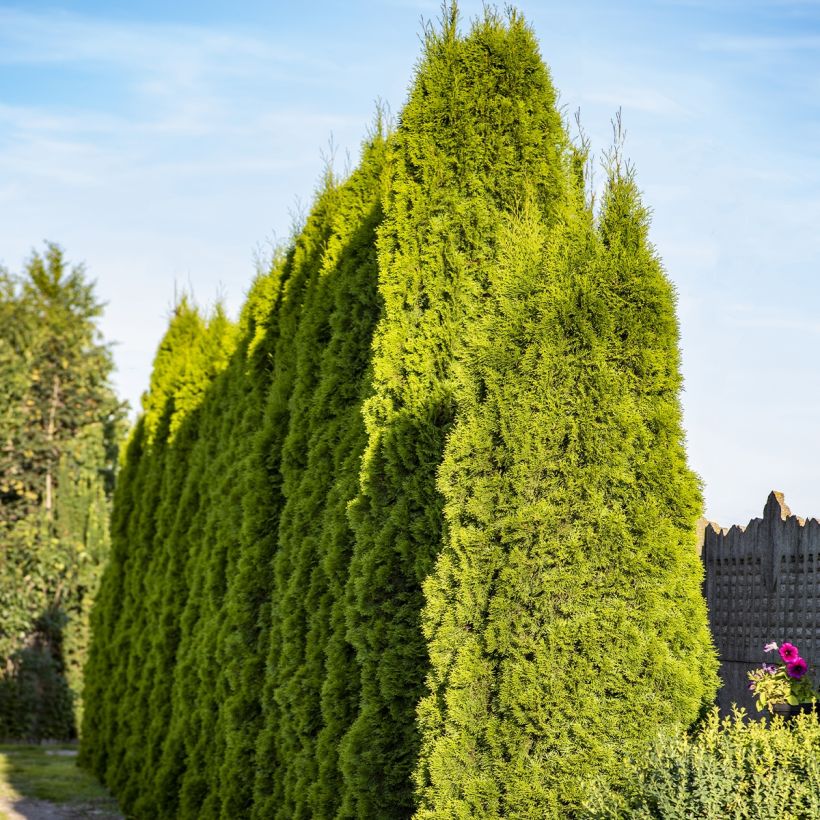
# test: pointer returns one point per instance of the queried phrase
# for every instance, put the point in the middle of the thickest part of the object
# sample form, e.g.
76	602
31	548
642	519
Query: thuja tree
479	126
220	637
146	709
303	270
243	622
59	424
320	458
564	618
128	627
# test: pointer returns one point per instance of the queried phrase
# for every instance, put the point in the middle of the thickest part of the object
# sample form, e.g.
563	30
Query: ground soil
27	809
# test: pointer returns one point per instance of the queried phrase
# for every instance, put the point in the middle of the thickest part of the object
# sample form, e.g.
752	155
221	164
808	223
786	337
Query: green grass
42	773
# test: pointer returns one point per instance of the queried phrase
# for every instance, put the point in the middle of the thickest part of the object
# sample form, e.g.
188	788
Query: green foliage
730	768
59	427
426	511
320	458
36	701
480	125
130	669
564	617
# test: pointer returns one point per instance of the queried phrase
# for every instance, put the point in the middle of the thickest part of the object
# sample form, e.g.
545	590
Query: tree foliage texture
415	538
59	423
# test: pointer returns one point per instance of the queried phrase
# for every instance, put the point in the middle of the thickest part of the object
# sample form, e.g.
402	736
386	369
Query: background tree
59	426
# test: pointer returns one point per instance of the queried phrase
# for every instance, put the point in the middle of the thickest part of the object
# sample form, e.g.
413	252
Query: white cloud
648	100
185	50
755	44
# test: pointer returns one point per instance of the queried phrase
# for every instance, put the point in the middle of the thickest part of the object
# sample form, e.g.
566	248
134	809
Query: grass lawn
50	773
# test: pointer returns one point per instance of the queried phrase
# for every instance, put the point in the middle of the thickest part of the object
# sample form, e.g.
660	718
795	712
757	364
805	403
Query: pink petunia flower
789	653
770	647
796	669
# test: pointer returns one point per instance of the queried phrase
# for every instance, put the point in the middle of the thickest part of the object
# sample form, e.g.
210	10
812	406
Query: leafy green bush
730	768
35	698
60	424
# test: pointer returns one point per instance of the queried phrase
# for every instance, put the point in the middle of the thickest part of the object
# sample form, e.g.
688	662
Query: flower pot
783	710
787	711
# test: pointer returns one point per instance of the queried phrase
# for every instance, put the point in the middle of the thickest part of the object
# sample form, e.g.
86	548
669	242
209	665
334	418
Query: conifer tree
273	750
211	569
181	620
198	374
345	379
59	425
332	346
326	245
564	618
247	605
123	668
102	671
480	125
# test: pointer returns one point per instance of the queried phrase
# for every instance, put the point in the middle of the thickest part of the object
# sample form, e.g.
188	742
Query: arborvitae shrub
332	344
564	619
457	385
102	671
479	126
124	619
275	744
233	488
247	604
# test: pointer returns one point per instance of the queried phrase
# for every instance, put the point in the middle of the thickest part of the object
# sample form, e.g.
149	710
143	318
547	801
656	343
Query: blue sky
168	147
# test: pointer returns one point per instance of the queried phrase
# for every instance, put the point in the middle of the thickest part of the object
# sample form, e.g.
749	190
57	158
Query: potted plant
784	688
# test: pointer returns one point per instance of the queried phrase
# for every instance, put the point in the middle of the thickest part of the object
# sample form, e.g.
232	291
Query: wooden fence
762	584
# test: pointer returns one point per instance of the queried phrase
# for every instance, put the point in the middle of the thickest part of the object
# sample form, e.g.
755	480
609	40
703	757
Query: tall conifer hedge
480	124
328	355
564	617
416	537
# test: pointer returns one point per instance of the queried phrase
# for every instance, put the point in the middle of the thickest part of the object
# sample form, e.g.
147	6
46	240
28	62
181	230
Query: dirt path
44	783
25	809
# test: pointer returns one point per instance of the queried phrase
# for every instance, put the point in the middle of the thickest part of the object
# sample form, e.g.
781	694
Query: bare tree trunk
52	423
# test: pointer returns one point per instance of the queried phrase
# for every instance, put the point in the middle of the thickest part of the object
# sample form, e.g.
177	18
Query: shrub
479	127
730	768
564	618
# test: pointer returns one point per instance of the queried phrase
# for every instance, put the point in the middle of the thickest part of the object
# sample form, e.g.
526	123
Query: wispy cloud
27	119
763	318
172	82
187	75
61	37
755	44
647	100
